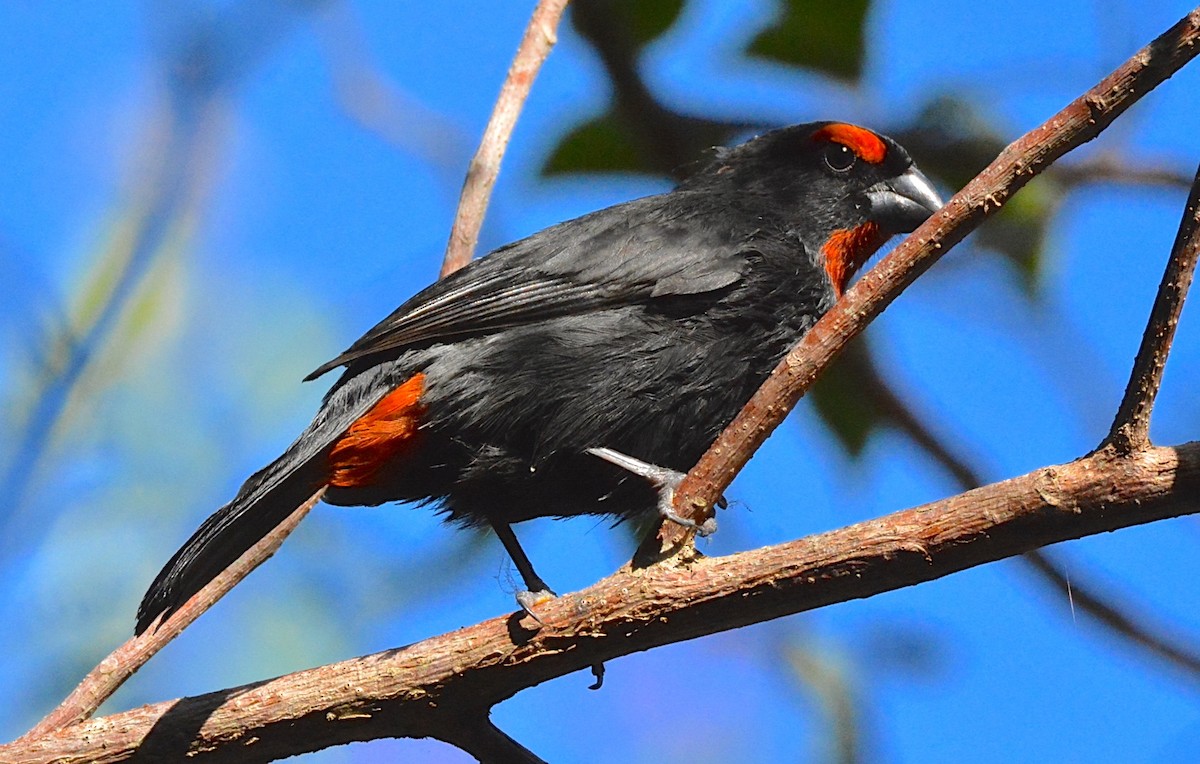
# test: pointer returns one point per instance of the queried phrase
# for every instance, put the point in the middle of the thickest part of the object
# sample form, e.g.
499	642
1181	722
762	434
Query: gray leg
536	591
664	479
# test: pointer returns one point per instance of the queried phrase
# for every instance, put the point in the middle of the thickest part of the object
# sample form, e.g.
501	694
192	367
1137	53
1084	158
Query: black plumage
643	328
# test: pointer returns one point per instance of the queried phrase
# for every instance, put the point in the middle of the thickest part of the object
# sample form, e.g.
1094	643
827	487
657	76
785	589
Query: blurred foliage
955	141
210	49
821	36
840	401
644	22
598	145
828	676
637	134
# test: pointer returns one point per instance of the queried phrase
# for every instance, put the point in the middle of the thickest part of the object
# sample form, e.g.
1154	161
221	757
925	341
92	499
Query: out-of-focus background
202	201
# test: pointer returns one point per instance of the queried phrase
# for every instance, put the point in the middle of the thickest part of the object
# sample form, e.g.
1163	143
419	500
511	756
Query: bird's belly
516	415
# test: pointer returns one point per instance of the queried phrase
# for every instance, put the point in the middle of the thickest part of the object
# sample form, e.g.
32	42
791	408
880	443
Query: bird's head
842	189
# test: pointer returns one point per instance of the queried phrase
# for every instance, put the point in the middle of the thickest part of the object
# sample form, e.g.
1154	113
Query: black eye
839	158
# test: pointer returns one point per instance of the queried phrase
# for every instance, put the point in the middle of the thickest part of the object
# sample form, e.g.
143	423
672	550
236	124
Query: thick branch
1066	502
114	670
1131	428
1080	121
102	681
402	692
1106	611
540	36
487	743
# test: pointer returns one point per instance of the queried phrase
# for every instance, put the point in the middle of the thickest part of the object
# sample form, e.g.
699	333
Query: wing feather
635	252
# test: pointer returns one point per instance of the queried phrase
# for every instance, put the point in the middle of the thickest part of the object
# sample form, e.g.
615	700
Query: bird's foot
528	600
666	480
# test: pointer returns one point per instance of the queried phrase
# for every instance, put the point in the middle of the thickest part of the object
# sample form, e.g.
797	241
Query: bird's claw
528	600
666	481
666	508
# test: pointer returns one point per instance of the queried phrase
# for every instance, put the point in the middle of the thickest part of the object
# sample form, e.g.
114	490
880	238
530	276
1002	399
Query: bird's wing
657	247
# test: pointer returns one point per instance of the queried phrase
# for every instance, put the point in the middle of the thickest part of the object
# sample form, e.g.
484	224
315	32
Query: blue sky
309	227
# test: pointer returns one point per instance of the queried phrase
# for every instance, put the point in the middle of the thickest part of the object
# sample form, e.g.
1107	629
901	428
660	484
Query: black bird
637	330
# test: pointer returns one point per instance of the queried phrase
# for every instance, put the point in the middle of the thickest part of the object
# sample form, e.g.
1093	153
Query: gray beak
902	203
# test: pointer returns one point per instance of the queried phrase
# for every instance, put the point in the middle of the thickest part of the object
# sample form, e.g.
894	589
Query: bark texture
438	687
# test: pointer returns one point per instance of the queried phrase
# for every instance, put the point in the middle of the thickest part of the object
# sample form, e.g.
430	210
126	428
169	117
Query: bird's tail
277	490
264	501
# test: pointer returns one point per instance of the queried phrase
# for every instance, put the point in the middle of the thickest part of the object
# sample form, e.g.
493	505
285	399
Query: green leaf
827	37
841	404
652	140
648	19
952	141
1018	232
598	145
627	25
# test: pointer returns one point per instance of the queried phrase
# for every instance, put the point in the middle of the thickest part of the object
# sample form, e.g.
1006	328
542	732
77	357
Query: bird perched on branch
532	381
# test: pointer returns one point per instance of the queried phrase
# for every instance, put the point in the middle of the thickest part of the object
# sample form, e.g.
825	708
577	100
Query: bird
537	380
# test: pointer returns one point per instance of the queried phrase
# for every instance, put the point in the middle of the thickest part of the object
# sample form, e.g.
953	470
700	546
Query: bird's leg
666	480
536	592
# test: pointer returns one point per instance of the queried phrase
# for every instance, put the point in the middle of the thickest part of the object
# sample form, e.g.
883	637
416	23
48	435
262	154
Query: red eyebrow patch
867	145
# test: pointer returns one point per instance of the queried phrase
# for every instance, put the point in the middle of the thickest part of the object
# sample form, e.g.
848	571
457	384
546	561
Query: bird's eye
839	158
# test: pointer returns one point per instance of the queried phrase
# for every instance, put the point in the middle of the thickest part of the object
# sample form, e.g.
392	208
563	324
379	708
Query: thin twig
113	671
1079	122
1112	615
1131	428
540	36
1112	168
1006	520
665	131
368	97
102	681
397	693
487	742
176	183
1131	628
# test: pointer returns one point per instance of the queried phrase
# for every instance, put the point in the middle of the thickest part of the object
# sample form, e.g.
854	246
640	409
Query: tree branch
1079	122
1114	619
540	36
102	681
1107	612
1112	168
407	692
487	743
664	140
411	691
1131	428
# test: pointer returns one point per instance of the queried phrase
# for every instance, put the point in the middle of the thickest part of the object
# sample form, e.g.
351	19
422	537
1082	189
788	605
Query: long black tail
266	499
263	502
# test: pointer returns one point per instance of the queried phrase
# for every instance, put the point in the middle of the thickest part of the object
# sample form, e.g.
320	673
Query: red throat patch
867	145
378	436
847	249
